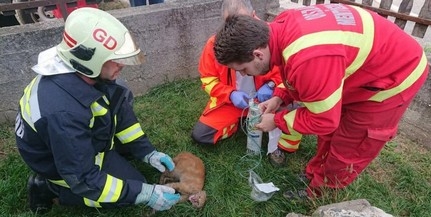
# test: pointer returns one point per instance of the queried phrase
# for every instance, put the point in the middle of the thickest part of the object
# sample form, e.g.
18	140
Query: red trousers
342	155
217	124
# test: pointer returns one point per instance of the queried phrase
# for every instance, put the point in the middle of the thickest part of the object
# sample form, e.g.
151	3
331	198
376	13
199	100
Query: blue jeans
134	3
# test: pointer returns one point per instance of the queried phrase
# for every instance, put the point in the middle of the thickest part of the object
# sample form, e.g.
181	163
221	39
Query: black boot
40	197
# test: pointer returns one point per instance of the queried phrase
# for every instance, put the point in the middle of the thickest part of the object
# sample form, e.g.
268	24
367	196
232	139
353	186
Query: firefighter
355	72
229	93
75	127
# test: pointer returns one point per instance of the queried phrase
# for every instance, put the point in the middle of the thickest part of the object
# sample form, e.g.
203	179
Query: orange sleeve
214	76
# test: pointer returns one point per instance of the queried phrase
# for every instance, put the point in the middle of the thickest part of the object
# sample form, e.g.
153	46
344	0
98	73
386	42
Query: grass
427	50
398	181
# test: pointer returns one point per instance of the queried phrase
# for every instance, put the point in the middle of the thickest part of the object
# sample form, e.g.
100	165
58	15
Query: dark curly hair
238	37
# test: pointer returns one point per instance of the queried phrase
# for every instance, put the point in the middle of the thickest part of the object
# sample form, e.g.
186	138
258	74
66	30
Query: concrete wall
172	35
416	123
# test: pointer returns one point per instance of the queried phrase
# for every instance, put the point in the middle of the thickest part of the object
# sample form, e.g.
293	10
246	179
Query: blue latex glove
265	92
160	161
158	197
239	99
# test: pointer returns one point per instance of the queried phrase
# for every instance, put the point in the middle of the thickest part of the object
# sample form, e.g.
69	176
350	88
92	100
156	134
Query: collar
71	83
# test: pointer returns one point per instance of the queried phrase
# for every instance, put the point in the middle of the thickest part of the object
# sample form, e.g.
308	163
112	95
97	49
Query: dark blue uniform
72	133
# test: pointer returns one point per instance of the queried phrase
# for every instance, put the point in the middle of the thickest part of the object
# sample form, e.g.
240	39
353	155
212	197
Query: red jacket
219	81
333	56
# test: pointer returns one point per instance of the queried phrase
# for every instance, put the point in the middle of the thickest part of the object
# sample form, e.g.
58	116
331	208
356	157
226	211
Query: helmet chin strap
88	80
98	79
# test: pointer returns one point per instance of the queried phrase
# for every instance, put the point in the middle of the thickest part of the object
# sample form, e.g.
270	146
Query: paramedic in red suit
229	92
220	113
355	72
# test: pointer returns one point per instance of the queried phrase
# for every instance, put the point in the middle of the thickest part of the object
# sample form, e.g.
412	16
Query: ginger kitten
187	178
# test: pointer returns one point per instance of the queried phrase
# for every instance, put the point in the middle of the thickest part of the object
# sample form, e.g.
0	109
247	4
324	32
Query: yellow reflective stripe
112	139
226	131
293	138
91	122
60	183
412	78
98	159
290	120
317	107
209	83
362	41
97	109
213	102
112	190
91	203
365	43
131	133
105	99
288	145
29	104
110	194
281	85
225	135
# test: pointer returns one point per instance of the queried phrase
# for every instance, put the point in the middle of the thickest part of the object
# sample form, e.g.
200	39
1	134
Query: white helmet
92	37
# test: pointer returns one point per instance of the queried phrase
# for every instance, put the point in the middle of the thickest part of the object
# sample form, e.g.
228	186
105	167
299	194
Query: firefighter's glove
239	99
160	161
265	92
158	197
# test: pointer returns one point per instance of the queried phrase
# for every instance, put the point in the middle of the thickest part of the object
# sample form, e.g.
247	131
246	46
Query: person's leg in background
217	124
342	156
279	146
279	143
135	3
155	1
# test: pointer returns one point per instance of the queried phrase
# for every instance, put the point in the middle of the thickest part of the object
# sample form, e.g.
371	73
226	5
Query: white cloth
273	137
49	63
245	84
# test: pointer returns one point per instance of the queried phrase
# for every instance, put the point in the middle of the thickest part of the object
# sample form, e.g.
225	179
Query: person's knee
203	134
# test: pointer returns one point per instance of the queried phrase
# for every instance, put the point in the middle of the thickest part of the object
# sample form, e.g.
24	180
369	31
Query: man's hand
265	92
158	197
267	123
271	105
239	99
160	161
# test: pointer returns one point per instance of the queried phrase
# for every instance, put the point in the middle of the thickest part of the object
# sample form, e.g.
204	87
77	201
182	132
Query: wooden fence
29	6
401	17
